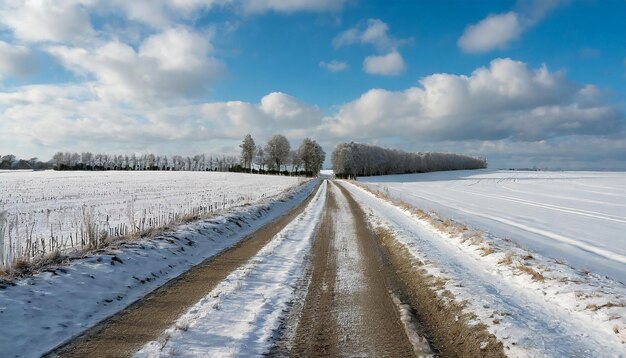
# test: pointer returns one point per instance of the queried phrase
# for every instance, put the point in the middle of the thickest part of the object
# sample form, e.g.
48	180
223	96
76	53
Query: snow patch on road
350	280
420	344
239	317
48	309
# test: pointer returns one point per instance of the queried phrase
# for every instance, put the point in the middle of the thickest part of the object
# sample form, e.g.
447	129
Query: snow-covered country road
348	310
339	271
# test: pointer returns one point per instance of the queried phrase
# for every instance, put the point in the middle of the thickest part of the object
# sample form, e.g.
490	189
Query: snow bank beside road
48	309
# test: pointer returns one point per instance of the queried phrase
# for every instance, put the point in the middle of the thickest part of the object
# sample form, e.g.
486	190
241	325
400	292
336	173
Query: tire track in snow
588	213
348	311
613	256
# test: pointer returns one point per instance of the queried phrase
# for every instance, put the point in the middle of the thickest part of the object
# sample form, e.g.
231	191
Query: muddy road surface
350	299
349	310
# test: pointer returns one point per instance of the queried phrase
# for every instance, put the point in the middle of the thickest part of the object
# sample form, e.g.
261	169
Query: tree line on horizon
350	160
11	162
276	157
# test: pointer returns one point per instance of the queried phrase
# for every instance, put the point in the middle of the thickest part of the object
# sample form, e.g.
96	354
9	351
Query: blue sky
525	83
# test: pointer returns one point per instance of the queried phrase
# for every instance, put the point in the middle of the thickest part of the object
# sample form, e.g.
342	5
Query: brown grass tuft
595	307
536	275
21	264
506	260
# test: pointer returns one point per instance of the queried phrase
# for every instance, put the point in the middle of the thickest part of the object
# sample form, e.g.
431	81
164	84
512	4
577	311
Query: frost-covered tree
7	161
350	159
32	162
295	161
74	159
261	159
85	159
312	155
57	160
277	149
247	152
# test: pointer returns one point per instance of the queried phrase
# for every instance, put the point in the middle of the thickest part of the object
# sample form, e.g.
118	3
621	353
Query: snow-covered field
41	312
562	313
56	206
576	217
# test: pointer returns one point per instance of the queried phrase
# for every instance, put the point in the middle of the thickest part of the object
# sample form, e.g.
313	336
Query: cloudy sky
524	83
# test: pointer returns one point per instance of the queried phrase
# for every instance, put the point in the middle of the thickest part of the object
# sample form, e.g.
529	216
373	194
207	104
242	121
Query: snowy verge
46	310
240	315
534	305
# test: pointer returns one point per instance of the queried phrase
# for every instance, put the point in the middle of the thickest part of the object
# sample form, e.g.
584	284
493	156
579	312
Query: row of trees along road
276	157
355	159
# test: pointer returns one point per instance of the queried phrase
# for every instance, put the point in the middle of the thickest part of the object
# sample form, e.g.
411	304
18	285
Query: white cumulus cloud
171	64
497	31
334	65
373	32
47	20
506	100
48	118
391	64
290	6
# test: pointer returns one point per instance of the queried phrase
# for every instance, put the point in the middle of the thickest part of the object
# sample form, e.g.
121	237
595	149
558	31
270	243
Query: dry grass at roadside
536	275
453	327
99	243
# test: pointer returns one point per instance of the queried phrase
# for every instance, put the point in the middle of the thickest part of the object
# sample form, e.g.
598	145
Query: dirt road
350	297
348	310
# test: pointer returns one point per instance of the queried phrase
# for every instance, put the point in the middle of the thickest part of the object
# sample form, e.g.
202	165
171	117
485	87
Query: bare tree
312	155
260	158
57	160
86	158
247	151
278	150
33	162
7	161
295	160
349	159
74	160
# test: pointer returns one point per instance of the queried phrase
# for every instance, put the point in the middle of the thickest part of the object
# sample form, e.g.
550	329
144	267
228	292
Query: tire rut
342	316
316	317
